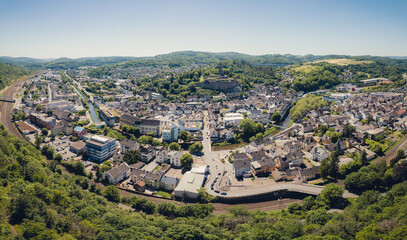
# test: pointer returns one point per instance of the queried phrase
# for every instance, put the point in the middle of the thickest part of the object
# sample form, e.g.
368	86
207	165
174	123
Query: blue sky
49	29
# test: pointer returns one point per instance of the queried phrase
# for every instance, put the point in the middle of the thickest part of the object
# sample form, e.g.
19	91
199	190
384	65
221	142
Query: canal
91	107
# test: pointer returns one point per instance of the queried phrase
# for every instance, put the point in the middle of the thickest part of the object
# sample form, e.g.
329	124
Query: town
228	145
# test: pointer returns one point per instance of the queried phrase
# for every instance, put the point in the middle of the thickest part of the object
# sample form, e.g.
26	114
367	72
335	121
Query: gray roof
119	170
138	165
153	176
239	156
138	172
241	163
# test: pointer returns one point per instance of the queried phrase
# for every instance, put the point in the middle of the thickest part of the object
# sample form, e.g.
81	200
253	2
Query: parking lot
62	146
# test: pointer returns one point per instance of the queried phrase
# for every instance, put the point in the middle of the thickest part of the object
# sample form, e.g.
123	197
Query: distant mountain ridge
177	59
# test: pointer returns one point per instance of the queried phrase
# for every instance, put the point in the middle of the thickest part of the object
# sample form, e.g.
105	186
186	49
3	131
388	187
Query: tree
38	108
248	127
186	160
276	117
149	207
325	168
400	155
131	156
112	193
82	112
196	147
348	130
44	131
338	147
49	112
174	146
204	197
330	166
363	158
58	158
98	173
167	209
38	141
377	149
185	136
184	231
331	194
52	137
319	216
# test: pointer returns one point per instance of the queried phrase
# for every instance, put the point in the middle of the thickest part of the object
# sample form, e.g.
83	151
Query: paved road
6	108
393	151
289	186
49	93
220	208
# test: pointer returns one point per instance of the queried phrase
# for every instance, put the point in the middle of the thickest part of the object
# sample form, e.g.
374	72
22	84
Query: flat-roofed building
149	125
42	120
100	148
110	116
77	147
189	185
25	128
232	119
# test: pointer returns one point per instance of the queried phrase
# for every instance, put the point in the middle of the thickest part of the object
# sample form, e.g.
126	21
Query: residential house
318	153
117	174
79	132
263	166
137	174
175	158
147	153
241	165
168	182
152	179
127	144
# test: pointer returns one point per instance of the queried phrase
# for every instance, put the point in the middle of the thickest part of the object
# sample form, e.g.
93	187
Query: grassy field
343	61
228	147
305	68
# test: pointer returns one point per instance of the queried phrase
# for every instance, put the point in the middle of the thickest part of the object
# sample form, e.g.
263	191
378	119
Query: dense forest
41	200
9	73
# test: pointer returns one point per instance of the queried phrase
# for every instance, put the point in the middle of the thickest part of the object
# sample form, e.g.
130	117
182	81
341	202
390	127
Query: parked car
223	193
217	191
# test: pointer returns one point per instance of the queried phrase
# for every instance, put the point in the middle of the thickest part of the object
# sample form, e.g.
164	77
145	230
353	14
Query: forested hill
172	59
177	59
10	73
40	200
64	63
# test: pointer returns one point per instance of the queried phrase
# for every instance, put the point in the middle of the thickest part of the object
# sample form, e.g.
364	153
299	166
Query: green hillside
39	200
10	73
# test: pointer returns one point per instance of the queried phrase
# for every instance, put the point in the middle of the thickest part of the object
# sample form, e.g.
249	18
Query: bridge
7	99
277	188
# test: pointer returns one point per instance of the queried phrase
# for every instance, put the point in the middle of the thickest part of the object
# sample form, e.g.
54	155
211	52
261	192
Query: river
91	107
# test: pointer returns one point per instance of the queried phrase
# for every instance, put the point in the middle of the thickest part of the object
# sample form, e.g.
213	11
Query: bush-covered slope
9	73
39	201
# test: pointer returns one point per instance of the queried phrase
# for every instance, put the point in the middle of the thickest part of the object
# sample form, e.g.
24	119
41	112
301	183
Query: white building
171	132
189	185
100	148
232	119
175	158
319	153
